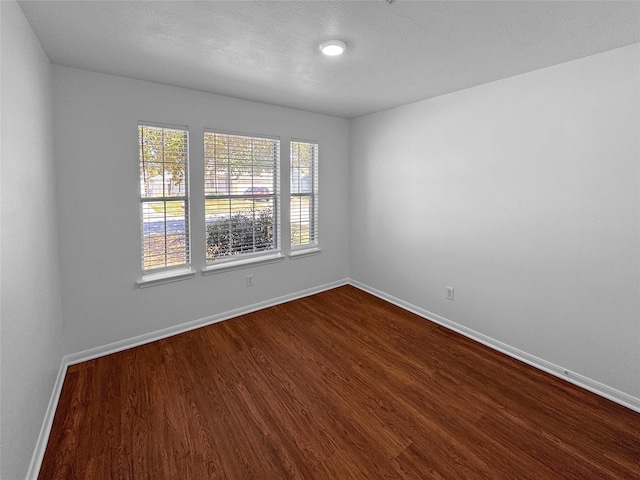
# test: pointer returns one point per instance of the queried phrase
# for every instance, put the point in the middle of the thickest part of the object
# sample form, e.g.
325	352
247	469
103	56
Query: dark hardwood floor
339	385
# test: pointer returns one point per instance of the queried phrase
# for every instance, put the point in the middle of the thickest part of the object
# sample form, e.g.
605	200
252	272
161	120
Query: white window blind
242	195
164	197
304	194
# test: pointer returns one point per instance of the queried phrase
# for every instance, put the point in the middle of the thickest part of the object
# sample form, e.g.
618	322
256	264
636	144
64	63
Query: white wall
31	319
96	118
523	195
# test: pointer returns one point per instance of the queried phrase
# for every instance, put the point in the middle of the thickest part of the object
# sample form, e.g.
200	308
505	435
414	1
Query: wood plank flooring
339	385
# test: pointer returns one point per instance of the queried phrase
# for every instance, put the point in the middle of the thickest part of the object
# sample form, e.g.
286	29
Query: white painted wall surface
523	195
31	320
96	118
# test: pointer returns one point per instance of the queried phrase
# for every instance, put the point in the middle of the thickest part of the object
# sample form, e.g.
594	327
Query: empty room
320	240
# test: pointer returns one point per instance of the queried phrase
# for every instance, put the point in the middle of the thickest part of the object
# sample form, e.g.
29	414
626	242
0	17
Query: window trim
238	264
165	274
243	260
304	252
313	247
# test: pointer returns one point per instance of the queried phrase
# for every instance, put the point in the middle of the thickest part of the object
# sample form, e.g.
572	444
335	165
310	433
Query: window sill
244	263
307	252
167	276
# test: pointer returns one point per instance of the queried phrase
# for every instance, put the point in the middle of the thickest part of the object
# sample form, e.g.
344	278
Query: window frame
245	260
312	246
165	273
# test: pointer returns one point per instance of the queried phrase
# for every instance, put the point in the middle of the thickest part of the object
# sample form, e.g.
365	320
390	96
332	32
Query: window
164	197
241	195
304	194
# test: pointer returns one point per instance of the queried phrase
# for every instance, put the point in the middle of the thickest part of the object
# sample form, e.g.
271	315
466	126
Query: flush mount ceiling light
333	47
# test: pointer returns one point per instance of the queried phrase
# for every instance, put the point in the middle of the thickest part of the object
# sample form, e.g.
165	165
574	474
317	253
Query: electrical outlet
250	280
449	293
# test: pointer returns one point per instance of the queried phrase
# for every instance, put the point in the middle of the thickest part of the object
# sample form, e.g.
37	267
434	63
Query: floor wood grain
338	385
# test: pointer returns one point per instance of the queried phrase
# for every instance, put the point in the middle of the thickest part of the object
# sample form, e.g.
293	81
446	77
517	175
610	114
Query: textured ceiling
267	51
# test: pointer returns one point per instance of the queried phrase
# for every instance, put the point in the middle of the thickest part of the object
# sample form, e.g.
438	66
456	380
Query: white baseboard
575	378
45	430
68	360
593	386
185	327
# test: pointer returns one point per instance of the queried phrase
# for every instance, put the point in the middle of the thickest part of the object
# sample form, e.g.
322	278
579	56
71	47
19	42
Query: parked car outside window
257	191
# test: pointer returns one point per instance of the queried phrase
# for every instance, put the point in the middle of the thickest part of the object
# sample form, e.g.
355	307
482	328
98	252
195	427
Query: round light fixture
333	47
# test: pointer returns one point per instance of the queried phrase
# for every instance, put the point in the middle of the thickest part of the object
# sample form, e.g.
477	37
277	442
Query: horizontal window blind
241	195
164	197
304	193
